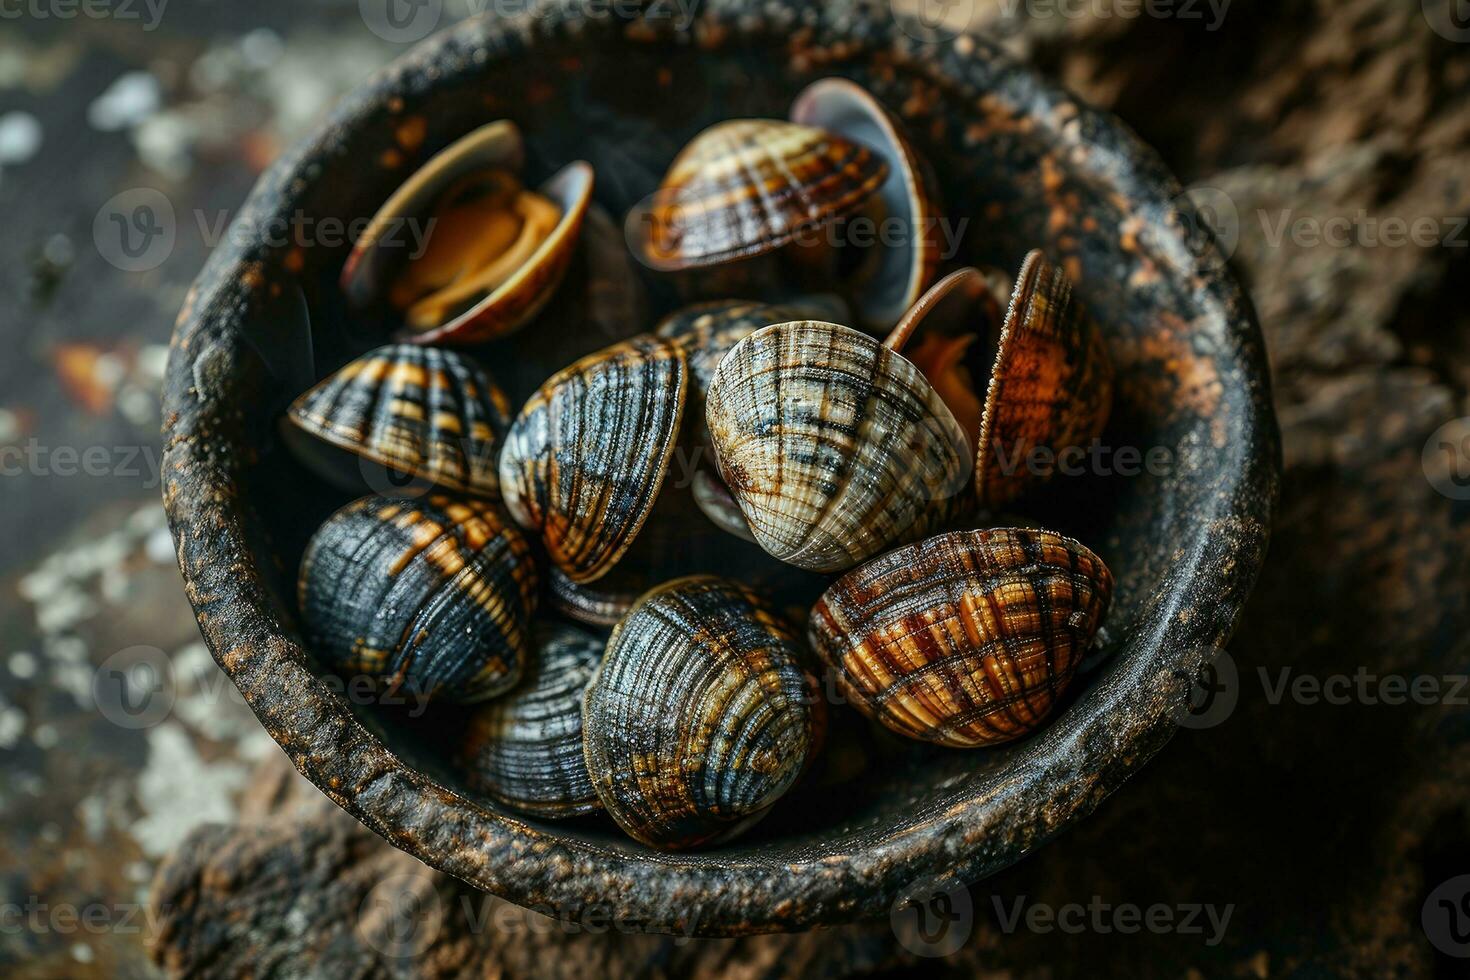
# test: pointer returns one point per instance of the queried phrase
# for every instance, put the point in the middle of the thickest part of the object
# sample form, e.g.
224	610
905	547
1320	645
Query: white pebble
128	101
20	137
23	664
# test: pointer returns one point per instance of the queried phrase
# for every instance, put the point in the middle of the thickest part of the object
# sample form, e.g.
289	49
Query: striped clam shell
745	187
431	596
909	196
584	460
966	638
1051	387
699	717
425	416
525	748
708	330
834	446
601	603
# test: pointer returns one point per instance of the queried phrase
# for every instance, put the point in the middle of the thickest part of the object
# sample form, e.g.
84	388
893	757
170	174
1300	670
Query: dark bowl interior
1023	162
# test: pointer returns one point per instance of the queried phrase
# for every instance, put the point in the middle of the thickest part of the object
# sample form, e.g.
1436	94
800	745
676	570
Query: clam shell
431	596
833	445
383	246
967	638
585	459
748	186
601	603
909	195
699	717
1052	384
708	330
525	748
425	416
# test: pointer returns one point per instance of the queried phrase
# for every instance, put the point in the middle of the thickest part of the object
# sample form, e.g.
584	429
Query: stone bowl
1184	529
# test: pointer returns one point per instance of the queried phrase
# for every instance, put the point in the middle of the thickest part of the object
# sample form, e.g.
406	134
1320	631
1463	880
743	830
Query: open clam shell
833	445
584	461
967	638
1051	386
700	716
905	268
746	187
525	747
385	246
404	416
431	596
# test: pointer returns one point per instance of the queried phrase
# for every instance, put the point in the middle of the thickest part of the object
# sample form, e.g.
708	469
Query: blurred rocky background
1330	142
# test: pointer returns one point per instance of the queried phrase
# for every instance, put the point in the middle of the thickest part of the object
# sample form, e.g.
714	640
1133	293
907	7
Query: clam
432	596
699	717
584	460
489	253
706	331
834	446
1037	377
601	603
403	415
967	638
746	187
1051	385
892	276
525	748
675	542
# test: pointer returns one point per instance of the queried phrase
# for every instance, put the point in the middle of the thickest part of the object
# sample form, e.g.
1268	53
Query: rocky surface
1322	827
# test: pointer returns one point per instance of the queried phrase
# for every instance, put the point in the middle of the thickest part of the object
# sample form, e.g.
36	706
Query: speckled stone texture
1031	164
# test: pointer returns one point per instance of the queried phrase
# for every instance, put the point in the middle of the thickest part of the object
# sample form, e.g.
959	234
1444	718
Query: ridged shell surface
430	595
525	747
1051	387
707	331
909	194
428	416
585	459
747	186
966	638
700	717
834	446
